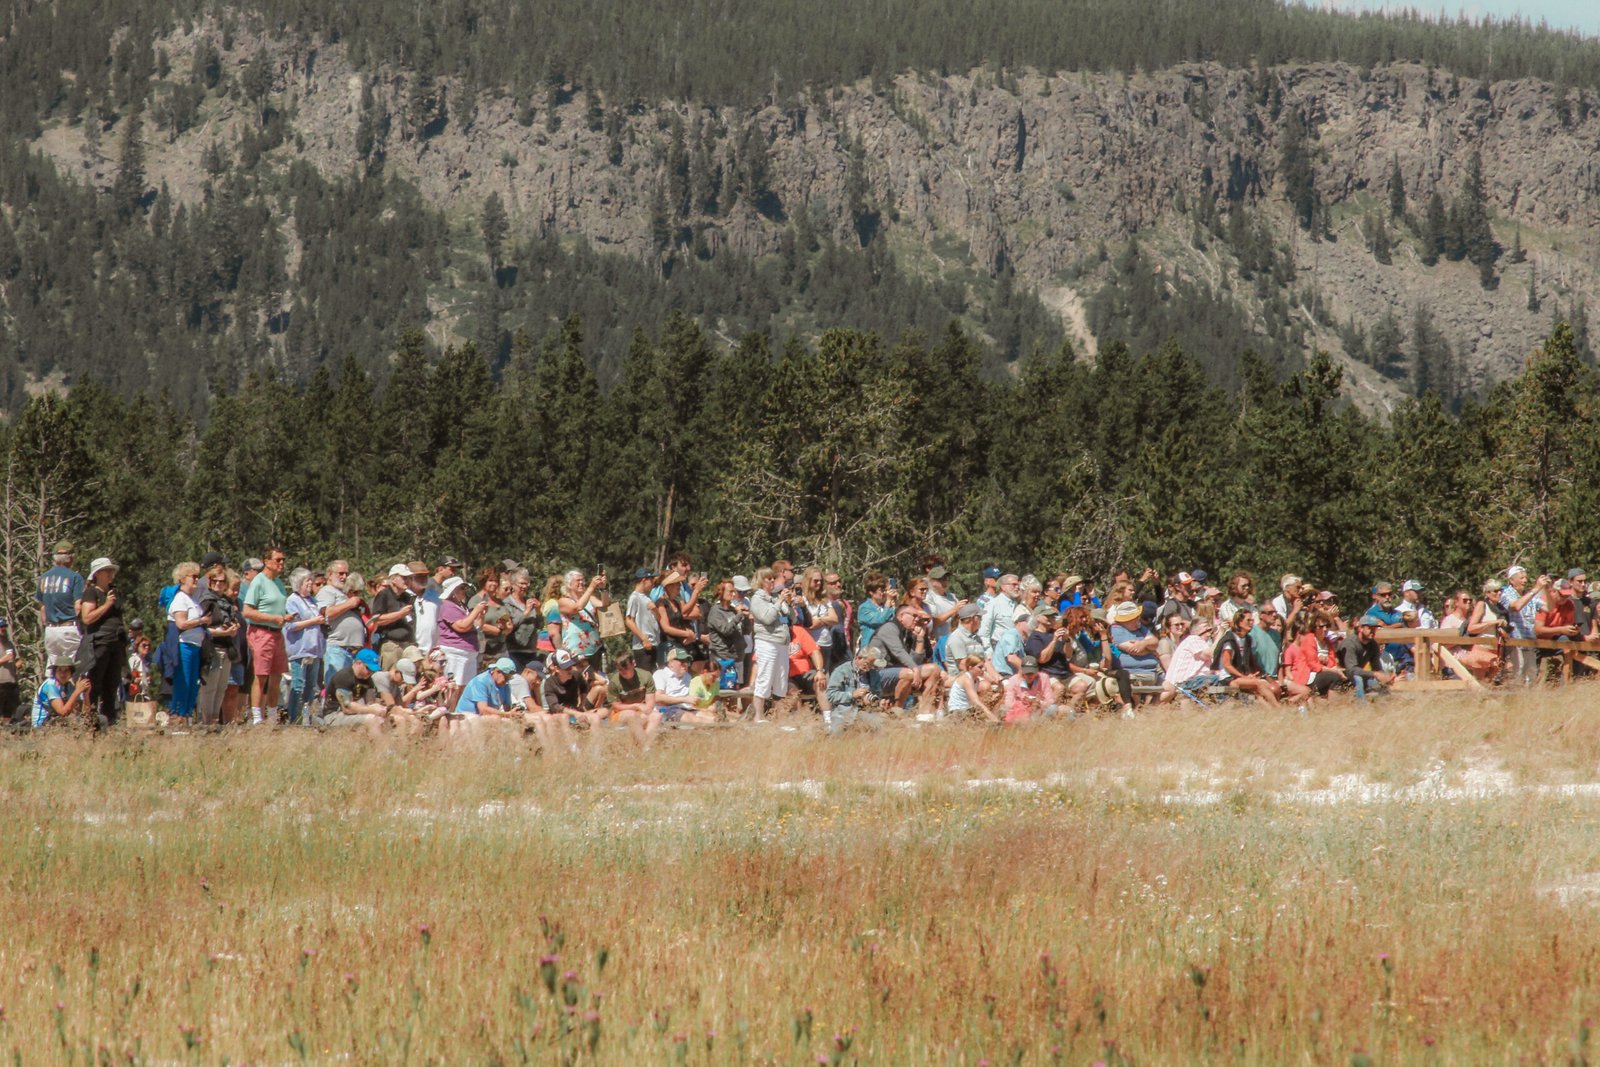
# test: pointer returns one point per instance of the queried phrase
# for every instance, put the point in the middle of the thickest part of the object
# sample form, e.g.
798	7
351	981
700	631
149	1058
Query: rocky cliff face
1031	172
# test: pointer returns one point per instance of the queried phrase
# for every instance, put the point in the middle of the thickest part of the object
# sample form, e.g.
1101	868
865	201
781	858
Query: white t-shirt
426	610
938	604
182	609
672	688
822	634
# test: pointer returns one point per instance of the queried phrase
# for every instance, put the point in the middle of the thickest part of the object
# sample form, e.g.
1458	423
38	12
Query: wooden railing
1432	655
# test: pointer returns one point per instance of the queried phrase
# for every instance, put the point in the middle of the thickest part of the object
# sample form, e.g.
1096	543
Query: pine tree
1517	253
1298	177
493	225
1397	190
1435	227
127	191
1533	288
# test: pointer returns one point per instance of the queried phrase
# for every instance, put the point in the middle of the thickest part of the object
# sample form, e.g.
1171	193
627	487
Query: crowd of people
424	650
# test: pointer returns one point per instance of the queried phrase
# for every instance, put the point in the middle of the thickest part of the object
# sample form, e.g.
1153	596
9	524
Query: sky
1582	15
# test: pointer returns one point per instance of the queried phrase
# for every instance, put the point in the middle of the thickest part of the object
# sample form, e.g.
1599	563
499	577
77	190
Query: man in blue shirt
59	589
488	693
991	587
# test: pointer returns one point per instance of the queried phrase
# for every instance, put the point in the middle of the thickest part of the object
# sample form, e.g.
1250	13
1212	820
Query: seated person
632	695
1361	660
1472	619
485	702
568	691
1052	646
355	698
1027	694
1238	659
971	691
705	690
807	671
1135	646
1306	656
903	649
963	640
673	699
1009	642
60	698
526	691
854	689
1191	666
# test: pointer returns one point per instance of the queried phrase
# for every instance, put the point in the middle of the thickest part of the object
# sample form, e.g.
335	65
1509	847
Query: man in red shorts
266	609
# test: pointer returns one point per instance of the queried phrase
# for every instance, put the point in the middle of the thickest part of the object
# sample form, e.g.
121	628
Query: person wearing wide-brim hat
103	653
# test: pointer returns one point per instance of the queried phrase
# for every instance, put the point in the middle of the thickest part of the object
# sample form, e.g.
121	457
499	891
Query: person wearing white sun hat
103	653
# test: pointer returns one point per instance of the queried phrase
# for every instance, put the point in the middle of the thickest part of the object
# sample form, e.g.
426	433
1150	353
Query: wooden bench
1431	655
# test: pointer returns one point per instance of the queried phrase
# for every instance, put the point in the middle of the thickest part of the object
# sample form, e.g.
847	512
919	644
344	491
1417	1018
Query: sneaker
1127	712
1302	709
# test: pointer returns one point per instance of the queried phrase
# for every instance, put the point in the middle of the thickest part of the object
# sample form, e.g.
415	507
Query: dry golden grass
1413	882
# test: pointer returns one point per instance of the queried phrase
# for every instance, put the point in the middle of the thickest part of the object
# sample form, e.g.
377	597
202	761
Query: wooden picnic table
1431	651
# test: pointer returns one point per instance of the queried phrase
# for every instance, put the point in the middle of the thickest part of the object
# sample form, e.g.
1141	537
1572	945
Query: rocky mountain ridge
1030	173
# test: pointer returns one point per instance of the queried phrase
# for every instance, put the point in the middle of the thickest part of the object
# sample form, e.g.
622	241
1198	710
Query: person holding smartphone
103	653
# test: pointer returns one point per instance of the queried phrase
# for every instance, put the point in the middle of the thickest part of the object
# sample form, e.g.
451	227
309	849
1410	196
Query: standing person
266	609
725	629
522	643
458	635
676	631
821	617
644	629
306	644
998	615
1522	603
10	695
393	620
1241	597
190	618
57	595
497	620
875	610
580	626
103	653
1582	605
222	626
345	633
991	587
942	609
771	611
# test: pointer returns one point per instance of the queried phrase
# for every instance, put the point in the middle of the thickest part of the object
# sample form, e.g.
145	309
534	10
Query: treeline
141	293
856	451
73	51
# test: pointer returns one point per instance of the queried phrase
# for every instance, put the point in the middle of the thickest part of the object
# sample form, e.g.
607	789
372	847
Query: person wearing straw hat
103	652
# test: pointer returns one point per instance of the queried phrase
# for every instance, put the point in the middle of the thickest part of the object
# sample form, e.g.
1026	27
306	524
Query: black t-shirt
403	632
554	693
1582	613
346	687
1244	653
1057	665
109	632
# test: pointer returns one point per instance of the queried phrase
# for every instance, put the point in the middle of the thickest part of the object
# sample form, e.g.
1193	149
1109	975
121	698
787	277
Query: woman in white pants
771	614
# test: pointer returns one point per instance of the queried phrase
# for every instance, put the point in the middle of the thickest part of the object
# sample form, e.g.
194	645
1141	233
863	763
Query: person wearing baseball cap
393	619
963	639
354	695
448	568
1411	597
487	693
644	627
991	586
1027	694
57	593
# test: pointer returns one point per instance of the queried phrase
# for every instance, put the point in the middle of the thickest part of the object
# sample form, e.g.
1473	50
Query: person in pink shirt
1027	694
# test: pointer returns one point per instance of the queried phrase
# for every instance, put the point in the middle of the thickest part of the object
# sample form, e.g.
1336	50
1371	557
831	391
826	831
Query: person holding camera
103	653
1522	602
771	611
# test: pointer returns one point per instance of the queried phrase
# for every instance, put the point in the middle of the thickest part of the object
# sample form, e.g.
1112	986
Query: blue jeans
305	684
186	681
336	659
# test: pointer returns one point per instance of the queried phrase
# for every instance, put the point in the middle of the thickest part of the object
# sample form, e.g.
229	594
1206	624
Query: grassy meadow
1415	883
